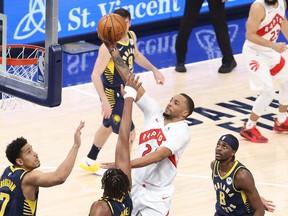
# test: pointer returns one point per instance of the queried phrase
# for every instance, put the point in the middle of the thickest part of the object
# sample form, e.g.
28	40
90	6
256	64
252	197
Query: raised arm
122	68
37	178
122	152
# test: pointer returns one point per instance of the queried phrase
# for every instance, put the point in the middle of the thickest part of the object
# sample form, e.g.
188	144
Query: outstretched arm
37	178
122	153
122	68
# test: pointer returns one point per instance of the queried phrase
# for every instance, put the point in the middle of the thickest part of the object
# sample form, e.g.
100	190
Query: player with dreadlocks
116	182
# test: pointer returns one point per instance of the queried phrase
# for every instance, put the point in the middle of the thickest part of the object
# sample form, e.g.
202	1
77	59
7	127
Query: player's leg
250	131
281	121
136	193
188	21
89	163
150	200
218	18
260	79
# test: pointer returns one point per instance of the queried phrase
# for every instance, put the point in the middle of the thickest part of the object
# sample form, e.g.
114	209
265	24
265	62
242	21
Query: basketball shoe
253	134
280	127
180	67
89	165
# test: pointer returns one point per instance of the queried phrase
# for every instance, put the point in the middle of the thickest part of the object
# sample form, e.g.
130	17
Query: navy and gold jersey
122	207
230	201
112	81
12	200
111	78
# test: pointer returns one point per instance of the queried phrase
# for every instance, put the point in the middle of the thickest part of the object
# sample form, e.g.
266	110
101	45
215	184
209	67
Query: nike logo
120	48
163	198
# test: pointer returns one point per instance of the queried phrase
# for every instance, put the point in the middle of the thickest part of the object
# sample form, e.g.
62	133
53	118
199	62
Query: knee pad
263	101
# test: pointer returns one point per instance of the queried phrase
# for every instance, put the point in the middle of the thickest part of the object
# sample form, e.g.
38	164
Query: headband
230	140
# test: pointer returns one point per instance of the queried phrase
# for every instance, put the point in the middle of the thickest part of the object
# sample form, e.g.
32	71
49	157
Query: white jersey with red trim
174	136
270	27
265	64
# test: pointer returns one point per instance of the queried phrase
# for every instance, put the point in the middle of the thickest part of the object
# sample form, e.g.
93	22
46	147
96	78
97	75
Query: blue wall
26	21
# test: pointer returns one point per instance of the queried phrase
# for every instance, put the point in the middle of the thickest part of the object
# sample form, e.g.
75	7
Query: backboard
38	80
3	34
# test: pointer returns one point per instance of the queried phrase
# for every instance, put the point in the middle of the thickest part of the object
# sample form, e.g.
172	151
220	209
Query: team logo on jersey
254	65
229	180
276	21
153	134
131	41
116	119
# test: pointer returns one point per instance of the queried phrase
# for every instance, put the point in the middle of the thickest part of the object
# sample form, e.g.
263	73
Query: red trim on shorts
277	68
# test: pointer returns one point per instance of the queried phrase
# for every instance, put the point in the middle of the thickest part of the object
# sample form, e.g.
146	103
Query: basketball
111	27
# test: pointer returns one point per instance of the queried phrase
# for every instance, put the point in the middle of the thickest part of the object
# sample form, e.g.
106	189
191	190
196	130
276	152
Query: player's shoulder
133	34
258	6
100	208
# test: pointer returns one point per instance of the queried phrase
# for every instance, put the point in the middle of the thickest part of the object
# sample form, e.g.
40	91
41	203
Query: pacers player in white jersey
163	140
266	59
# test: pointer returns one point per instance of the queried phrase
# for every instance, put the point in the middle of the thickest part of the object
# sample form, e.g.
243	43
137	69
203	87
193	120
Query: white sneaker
89	165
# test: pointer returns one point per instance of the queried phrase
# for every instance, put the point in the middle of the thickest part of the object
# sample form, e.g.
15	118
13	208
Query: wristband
114	49
130	92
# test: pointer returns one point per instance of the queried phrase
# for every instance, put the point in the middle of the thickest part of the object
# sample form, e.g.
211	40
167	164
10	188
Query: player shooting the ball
107	82
161	143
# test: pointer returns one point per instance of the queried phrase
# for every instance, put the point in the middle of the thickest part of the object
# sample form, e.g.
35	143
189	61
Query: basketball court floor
223	103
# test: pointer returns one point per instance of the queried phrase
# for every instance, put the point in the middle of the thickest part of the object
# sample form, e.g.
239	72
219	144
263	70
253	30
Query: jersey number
148	150
130	62
274	35
5	199
222	198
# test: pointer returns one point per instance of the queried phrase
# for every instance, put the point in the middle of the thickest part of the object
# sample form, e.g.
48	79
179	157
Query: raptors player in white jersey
163	140
267	61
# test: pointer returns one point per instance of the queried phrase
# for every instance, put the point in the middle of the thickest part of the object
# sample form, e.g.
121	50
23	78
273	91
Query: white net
11	102
24	63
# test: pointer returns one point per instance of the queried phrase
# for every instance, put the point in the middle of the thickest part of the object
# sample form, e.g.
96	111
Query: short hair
123	13
115	183
13	150
190	103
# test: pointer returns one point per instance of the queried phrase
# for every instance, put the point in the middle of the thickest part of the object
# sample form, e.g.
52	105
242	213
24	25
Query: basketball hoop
23	62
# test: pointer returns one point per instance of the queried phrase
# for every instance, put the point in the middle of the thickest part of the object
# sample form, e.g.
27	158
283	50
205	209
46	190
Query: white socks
281	117
250	124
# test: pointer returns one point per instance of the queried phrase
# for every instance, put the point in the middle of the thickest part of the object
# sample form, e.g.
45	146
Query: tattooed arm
122	67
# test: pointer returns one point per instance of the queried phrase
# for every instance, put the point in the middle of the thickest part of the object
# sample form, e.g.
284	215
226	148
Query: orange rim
15	61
